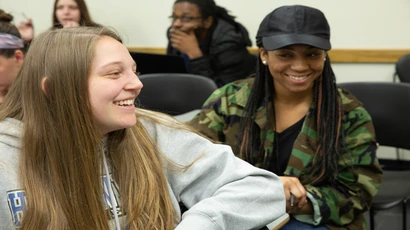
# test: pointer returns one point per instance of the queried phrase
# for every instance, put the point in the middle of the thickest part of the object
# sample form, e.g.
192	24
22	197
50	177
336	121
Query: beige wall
357	24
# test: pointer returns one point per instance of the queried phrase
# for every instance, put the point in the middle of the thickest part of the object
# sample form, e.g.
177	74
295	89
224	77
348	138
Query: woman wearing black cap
211	42
292	119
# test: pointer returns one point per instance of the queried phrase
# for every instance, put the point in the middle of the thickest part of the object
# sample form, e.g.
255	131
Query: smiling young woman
291	119
75	153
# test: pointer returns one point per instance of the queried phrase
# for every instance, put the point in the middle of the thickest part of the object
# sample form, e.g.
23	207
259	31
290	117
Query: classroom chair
389	106
174	93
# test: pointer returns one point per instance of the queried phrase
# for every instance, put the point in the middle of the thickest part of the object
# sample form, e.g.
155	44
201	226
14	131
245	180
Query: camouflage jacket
340	206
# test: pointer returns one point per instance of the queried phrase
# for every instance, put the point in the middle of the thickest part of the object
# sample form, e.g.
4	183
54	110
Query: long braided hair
328	113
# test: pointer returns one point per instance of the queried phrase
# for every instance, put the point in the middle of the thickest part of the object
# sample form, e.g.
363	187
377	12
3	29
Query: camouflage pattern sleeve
358	179
210	120
220	115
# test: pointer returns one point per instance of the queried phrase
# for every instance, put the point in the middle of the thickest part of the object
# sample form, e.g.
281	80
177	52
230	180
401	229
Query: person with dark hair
293	120
11	52
71	13
212	43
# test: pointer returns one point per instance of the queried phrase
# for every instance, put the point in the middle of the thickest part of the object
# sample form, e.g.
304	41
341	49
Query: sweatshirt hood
11	132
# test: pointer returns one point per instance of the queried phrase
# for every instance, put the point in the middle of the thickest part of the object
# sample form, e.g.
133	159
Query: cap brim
278	41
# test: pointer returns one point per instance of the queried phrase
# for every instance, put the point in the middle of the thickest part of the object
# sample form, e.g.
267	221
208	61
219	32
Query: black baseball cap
296	24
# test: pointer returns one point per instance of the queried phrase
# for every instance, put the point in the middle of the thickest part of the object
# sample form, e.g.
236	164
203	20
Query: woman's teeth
297	78
125	102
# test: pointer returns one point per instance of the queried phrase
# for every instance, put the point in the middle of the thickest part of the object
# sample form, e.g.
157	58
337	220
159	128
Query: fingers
293	187
26	24
177	32
176	38
175	35
186	43
191	33
302	201
29	23
22	25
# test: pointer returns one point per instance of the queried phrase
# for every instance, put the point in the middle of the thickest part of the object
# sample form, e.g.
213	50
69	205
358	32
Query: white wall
372	24
354	23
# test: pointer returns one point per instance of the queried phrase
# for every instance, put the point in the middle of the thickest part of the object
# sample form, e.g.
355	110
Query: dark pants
296	225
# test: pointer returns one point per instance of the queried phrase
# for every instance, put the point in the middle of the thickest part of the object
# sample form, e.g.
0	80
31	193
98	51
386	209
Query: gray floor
390	219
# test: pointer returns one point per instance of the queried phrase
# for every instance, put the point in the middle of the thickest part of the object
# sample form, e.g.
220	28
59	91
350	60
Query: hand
185	43
70	24
293	185
26	30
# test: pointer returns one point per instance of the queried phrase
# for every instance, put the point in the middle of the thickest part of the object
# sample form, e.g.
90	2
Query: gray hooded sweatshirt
219	190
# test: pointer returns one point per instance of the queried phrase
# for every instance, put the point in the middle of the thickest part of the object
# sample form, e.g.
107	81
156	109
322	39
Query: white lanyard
114	201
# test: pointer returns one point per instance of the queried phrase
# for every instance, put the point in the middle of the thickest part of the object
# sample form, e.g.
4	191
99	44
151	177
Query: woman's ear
263	55
19	56
208	22
44	85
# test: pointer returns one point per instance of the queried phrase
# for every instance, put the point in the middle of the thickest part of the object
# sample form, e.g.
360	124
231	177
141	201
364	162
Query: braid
260	95
244	150
319	103
329	121
268	92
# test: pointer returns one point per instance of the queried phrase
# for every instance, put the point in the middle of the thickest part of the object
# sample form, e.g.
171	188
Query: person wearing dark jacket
211	42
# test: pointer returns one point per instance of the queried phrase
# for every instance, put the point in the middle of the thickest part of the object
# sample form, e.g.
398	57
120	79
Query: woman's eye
285	55
312	54
116	73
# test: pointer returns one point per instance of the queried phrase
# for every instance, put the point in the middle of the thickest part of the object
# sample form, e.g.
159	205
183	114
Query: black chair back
389	106
174	93
403	68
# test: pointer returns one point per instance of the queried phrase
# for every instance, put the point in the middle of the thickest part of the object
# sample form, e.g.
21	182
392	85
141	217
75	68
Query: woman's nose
176	23
300	64
134	83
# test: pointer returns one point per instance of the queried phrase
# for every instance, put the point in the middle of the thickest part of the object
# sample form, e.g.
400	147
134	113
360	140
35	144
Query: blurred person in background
211	42
11	52
71	13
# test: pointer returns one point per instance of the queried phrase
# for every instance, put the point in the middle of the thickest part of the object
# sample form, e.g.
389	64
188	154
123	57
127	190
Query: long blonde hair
60	157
